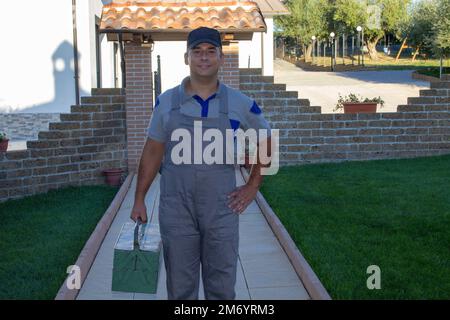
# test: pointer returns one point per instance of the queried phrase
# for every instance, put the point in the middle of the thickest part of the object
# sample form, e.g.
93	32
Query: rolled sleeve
254	119
155	129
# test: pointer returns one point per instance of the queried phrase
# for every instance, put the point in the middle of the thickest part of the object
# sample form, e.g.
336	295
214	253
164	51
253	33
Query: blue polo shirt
243	111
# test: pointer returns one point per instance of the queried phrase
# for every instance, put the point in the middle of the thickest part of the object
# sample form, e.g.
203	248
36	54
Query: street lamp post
332	50
313	38
353	49
358	28
362	44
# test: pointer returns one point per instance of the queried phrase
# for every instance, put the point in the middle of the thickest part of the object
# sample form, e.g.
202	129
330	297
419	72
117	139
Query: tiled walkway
264	270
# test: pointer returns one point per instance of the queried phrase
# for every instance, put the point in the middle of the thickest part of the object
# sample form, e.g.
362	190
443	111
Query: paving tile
279	263
242	294
272	279
260	248
285	293
263	266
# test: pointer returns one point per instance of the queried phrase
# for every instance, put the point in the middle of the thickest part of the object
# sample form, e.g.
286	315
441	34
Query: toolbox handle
136	234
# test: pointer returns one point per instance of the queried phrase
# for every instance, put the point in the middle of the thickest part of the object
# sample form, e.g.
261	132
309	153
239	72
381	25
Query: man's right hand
139	211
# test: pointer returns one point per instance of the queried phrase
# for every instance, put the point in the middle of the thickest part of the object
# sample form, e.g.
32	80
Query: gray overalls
197	226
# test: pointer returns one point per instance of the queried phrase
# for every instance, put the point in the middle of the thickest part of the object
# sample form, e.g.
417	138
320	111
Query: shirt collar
185	97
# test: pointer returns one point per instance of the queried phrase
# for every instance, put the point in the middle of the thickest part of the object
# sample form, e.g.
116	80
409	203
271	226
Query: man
199	203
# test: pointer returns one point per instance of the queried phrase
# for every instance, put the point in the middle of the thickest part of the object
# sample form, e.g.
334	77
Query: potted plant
3	142
113	176
356	104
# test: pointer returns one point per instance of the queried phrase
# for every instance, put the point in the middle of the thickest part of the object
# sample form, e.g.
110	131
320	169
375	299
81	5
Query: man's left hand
241	197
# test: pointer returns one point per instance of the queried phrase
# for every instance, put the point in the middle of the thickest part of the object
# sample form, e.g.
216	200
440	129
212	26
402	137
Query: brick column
139	99
229	73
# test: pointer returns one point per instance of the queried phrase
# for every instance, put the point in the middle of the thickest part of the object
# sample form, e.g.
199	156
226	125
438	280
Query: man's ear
186	62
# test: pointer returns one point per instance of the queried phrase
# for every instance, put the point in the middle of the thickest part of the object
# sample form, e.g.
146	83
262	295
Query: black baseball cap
204	34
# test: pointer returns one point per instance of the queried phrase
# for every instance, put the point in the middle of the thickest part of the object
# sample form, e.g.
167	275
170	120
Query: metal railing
157	79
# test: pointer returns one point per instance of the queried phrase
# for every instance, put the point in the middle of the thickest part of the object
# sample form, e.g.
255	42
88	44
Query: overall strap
223	105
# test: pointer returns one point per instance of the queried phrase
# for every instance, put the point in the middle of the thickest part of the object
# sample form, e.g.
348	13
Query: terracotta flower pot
360	107
113	176
4	145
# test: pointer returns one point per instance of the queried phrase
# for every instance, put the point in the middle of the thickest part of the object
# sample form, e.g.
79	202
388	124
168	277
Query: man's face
204	59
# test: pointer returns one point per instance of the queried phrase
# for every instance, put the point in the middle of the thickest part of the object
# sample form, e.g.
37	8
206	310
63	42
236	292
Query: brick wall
73	151
139	99
420	128
229	73
26	126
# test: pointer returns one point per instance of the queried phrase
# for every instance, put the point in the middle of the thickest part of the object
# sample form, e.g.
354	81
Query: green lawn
391	213
434	72
41	235
389	63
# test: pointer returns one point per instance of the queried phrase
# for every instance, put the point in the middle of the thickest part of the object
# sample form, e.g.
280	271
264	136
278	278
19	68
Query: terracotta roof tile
150	15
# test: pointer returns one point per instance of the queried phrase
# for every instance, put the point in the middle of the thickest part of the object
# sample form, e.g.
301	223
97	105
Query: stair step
42	144
428	92
421	100
63	126
53	135
76	116
86	108
250	71
440	85
272	94
107	91
262	86
409	108
246	79
103	99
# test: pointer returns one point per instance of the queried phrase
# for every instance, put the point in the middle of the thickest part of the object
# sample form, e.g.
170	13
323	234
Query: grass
41	235
347	216
387	63
434	71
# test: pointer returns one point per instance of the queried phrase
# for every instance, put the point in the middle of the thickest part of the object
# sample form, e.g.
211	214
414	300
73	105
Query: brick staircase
437	98
420	128
74	151
272	97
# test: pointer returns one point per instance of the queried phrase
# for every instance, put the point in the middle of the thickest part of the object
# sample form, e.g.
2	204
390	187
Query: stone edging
312	284
89	252
418	76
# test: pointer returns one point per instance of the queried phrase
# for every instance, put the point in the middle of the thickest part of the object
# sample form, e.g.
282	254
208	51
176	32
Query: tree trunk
308	52
415	53
372	47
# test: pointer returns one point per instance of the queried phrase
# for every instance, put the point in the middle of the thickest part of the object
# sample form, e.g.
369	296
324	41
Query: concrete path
323	88
264	270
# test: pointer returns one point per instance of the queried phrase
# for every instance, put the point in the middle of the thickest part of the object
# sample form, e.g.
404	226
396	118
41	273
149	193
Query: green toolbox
136	258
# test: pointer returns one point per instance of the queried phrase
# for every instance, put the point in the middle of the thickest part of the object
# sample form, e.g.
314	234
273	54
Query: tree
348	14
419	28
392	14
441	28
306	19
376	17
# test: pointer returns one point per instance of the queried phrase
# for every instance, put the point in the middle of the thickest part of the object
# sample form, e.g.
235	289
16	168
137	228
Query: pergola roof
173	19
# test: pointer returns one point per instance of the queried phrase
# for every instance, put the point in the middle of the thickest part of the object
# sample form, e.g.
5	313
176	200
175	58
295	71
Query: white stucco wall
252	49
268	48
173	69
28	77
36	63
